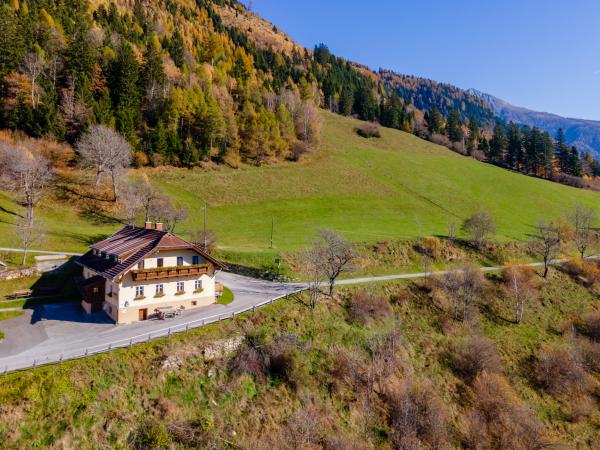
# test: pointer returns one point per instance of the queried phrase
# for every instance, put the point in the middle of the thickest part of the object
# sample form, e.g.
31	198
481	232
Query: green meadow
395	187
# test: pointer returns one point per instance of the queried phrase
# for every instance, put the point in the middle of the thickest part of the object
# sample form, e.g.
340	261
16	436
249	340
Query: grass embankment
396	187
226	297
315	388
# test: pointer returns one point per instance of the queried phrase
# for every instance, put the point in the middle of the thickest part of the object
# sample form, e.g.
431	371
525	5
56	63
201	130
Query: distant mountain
584	134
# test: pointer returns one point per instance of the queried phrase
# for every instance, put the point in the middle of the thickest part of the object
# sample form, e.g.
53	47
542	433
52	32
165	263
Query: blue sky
544	55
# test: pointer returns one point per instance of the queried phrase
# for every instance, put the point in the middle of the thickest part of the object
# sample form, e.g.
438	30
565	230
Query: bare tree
146	196
479	226
24	172
28	234
464	287
518	282
33	66
163	210
337	255
106	151
308	122
313	270
546	243
207	240
582	219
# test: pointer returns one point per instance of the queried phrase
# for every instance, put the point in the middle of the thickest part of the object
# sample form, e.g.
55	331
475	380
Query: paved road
48	332
44	252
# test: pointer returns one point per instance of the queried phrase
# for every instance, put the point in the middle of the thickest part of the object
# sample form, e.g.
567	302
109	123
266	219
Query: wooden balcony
161	273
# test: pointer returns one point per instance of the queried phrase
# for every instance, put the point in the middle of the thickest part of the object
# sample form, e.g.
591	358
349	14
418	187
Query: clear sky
544	55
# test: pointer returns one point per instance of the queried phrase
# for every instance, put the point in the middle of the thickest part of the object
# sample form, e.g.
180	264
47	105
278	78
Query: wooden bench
24	293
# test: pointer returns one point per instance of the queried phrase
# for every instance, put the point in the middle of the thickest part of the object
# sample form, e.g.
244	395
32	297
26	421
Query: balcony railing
160	273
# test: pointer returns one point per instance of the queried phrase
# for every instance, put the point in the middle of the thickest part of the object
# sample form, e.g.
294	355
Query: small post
272	230
233	315
109	347
148	338
130	342
205	242
86	352
169	332
187	326
253	308
61	357
202	322
5	370
34	361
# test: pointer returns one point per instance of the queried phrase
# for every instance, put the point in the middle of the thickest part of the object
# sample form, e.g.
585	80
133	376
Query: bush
498	420
418	417
561	372
589	352
585	272
364	307
589	325
473	356
369	130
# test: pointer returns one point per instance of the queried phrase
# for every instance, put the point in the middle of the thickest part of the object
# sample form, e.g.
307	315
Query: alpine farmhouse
136	273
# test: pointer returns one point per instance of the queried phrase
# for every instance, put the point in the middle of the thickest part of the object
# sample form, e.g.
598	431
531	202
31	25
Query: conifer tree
454	126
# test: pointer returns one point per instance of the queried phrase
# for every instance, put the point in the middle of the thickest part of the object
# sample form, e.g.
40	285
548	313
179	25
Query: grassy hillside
395	187
301	380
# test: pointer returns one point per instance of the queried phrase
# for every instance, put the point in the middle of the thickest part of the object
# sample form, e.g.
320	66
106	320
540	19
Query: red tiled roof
131	244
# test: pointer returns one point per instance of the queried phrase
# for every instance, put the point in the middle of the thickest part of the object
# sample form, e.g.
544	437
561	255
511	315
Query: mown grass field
395	187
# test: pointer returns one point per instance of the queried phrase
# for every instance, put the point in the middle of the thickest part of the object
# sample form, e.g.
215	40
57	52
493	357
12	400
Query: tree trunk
545	270
331	286
98	173
114	185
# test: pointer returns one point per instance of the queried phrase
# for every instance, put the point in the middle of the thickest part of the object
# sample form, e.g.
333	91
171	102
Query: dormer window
180	261
195	260
141	265
160	262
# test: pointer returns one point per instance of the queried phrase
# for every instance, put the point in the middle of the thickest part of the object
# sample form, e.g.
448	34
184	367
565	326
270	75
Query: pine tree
498	145
177	49
454	129
562	153
346	101
514	150
434	121
125	73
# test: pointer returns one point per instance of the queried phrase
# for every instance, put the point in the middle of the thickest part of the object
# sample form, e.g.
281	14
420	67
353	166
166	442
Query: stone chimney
159	226
148	225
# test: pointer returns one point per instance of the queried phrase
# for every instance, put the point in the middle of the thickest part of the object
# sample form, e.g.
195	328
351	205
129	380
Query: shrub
473	356
560	372
418	417
479	226
498	420
365	307
585	272
589	352
369	130
580	407
589	325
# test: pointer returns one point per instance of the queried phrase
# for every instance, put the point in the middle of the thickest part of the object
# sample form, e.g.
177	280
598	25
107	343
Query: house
138	272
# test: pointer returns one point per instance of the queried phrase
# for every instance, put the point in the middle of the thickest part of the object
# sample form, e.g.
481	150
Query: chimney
159	226
148	225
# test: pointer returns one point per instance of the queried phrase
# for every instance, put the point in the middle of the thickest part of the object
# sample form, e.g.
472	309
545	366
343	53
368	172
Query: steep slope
584	134
398	186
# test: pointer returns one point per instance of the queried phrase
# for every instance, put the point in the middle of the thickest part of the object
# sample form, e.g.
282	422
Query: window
194	303
141	265
180	286
180	260
160	289
160	262
139	291
195	260
198	285
110	290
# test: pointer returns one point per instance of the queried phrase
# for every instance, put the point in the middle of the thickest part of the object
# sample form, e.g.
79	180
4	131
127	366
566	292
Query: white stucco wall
126	291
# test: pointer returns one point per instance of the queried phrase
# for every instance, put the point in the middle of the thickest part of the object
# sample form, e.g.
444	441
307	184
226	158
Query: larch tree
106	152
33	67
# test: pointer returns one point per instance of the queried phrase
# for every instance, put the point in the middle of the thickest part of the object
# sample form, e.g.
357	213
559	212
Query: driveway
62	331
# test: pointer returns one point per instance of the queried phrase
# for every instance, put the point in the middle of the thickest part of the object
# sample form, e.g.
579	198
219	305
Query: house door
143	314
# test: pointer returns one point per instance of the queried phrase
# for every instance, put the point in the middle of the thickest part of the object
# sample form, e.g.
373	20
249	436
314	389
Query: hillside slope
395	187
584	134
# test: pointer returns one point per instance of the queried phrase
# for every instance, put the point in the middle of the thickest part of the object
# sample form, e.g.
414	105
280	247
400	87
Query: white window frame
180	286
160	289
198	285
180	258
139	291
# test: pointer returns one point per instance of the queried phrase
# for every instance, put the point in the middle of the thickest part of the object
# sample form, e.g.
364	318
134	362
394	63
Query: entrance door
143	314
